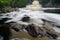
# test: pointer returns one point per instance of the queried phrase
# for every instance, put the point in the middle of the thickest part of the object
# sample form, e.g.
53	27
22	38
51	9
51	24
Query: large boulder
5	31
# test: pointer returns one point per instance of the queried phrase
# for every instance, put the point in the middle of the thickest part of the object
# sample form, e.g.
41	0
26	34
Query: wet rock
58	26
5	31
16	29
31	30
8	9
3	20
58	38
25	19
52	11
20	39
16	39
51	35
1	38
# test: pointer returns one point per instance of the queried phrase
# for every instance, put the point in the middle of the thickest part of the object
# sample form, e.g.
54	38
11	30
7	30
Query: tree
21	3
14	3
53	3
5	2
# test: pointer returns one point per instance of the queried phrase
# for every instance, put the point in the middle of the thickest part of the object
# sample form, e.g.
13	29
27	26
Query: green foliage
13	2
47	1
5	2
21	3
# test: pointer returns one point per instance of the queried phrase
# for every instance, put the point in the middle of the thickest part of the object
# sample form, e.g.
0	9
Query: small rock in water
16	29
20	39
25	19
58	38
1	38
16	39
25	39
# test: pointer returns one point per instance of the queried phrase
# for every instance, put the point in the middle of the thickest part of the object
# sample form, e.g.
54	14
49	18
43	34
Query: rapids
16	16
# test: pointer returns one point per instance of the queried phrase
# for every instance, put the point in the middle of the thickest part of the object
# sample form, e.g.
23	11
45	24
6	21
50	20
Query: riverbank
8	9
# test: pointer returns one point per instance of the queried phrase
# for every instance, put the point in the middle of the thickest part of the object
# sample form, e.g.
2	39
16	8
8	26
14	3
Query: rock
20	39
58	38
25	19
8	9
5	31
4	19
31	30
1	38
52	11
17	27
16	39
51	35
25	39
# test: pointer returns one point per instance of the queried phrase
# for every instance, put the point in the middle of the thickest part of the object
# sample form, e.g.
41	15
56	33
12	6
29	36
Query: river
16	16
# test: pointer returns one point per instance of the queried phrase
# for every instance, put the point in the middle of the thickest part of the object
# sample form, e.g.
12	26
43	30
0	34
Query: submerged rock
58	38
1	38
20	39
25	19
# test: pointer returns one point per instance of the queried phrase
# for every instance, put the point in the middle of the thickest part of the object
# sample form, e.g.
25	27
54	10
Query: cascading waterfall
35	13
35	5
18	15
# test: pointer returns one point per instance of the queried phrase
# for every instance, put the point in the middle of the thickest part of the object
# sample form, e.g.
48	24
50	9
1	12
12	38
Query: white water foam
18	15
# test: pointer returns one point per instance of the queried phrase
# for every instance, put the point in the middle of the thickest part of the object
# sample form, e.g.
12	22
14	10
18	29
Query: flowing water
33	14
16	16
